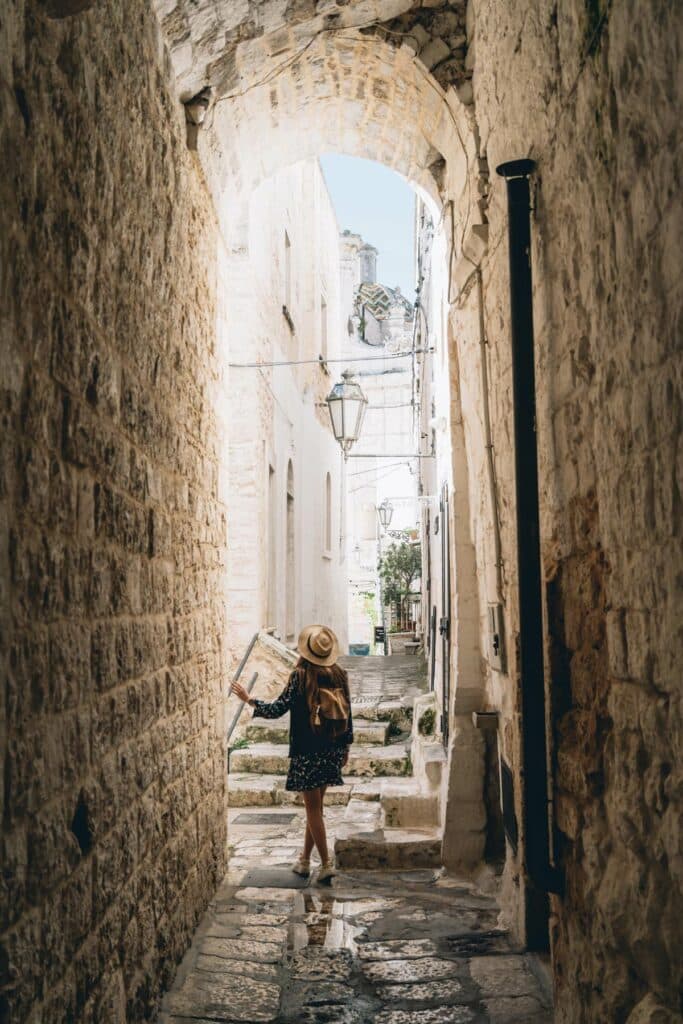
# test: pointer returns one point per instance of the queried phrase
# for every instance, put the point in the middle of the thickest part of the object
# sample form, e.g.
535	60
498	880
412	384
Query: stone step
368	789
407	805
366	839
276	730
363	815
376	709
251	790
365	760
392	848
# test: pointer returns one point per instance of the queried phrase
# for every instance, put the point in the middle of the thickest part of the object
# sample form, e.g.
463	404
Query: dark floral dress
308	771
313	760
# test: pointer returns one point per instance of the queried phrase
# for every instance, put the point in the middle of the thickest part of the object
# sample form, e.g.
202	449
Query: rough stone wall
112	538
593	93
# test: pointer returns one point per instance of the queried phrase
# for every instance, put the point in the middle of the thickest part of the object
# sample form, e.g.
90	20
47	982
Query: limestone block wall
592	93
111	532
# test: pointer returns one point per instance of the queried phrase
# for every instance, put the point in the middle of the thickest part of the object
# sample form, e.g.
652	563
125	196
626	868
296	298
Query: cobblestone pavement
410	947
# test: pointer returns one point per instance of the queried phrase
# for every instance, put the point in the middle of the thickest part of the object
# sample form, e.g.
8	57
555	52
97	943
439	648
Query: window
323	327
327	521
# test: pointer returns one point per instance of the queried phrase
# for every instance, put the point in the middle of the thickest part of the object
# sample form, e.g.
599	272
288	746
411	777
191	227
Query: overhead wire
379	469
320	361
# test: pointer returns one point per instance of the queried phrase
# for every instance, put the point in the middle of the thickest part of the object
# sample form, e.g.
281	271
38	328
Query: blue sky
376	203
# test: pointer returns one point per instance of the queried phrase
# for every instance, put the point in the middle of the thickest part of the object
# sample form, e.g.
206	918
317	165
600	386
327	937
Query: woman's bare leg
308	844
313	801
308	836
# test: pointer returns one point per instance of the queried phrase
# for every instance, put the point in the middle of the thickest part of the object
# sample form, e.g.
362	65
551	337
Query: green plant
425	726
400	566
240	744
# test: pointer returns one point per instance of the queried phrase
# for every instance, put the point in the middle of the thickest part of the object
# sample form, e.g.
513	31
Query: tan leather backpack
333	711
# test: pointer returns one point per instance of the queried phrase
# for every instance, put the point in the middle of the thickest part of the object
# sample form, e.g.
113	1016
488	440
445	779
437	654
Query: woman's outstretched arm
269	709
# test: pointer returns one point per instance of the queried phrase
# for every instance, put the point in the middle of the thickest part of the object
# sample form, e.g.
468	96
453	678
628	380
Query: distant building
379	315
377	323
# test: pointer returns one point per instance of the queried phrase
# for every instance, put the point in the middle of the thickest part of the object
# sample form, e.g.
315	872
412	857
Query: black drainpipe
543	874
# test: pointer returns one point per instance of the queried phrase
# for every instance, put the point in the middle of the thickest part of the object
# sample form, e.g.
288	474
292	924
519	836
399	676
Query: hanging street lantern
346	403
384	513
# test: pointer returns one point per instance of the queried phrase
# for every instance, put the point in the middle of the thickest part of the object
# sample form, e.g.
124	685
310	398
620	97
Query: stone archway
398	93
395	91
294	83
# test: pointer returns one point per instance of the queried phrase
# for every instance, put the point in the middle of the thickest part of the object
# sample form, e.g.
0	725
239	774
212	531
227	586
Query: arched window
327	520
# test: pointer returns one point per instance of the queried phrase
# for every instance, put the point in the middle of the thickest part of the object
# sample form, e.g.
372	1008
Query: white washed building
285	524
377	324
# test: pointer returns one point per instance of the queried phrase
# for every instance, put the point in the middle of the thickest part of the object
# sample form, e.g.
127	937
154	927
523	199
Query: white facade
436	478
286	516
451	614
389	429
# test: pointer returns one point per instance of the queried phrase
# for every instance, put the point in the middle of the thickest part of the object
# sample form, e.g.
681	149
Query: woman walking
320	733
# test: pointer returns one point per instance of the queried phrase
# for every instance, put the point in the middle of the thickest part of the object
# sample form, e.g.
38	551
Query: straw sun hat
318	644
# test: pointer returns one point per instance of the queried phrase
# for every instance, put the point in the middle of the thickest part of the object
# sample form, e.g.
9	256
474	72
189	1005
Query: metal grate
507	796
264	819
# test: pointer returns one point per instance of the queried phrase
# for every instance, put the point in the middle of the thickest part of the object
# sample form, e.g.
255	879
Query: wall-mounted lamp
195	113
384	513
346	403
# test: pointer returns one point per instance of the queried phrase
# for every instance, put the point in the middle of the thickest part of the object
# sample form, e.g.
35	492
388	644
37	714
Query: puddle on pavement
323	925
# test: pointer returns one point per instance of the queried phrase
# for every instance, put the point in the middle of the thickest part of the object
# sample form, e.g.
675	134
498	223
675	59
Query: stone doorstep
391	848
370	761
277	731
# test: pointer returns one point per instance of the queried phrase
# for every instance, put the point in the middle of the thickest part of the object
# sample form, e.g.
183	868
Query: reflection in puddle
324	925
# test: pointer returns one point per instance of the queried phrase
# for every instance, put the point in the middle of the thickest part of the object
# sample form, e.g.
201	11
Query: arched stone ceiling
383	79
229	44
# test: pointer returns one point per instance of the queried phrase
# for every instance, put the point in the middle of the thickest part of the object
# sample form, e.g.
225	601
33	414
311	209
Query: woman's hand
345	759
240	692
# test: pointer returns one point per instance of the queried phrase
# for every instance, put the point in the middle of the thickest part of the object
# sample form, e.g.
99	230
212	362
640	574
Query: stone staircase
388	821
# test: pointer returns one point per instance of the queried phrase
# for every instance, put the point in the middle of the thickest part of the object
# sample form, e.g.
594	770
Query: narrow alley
360	320
393	939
